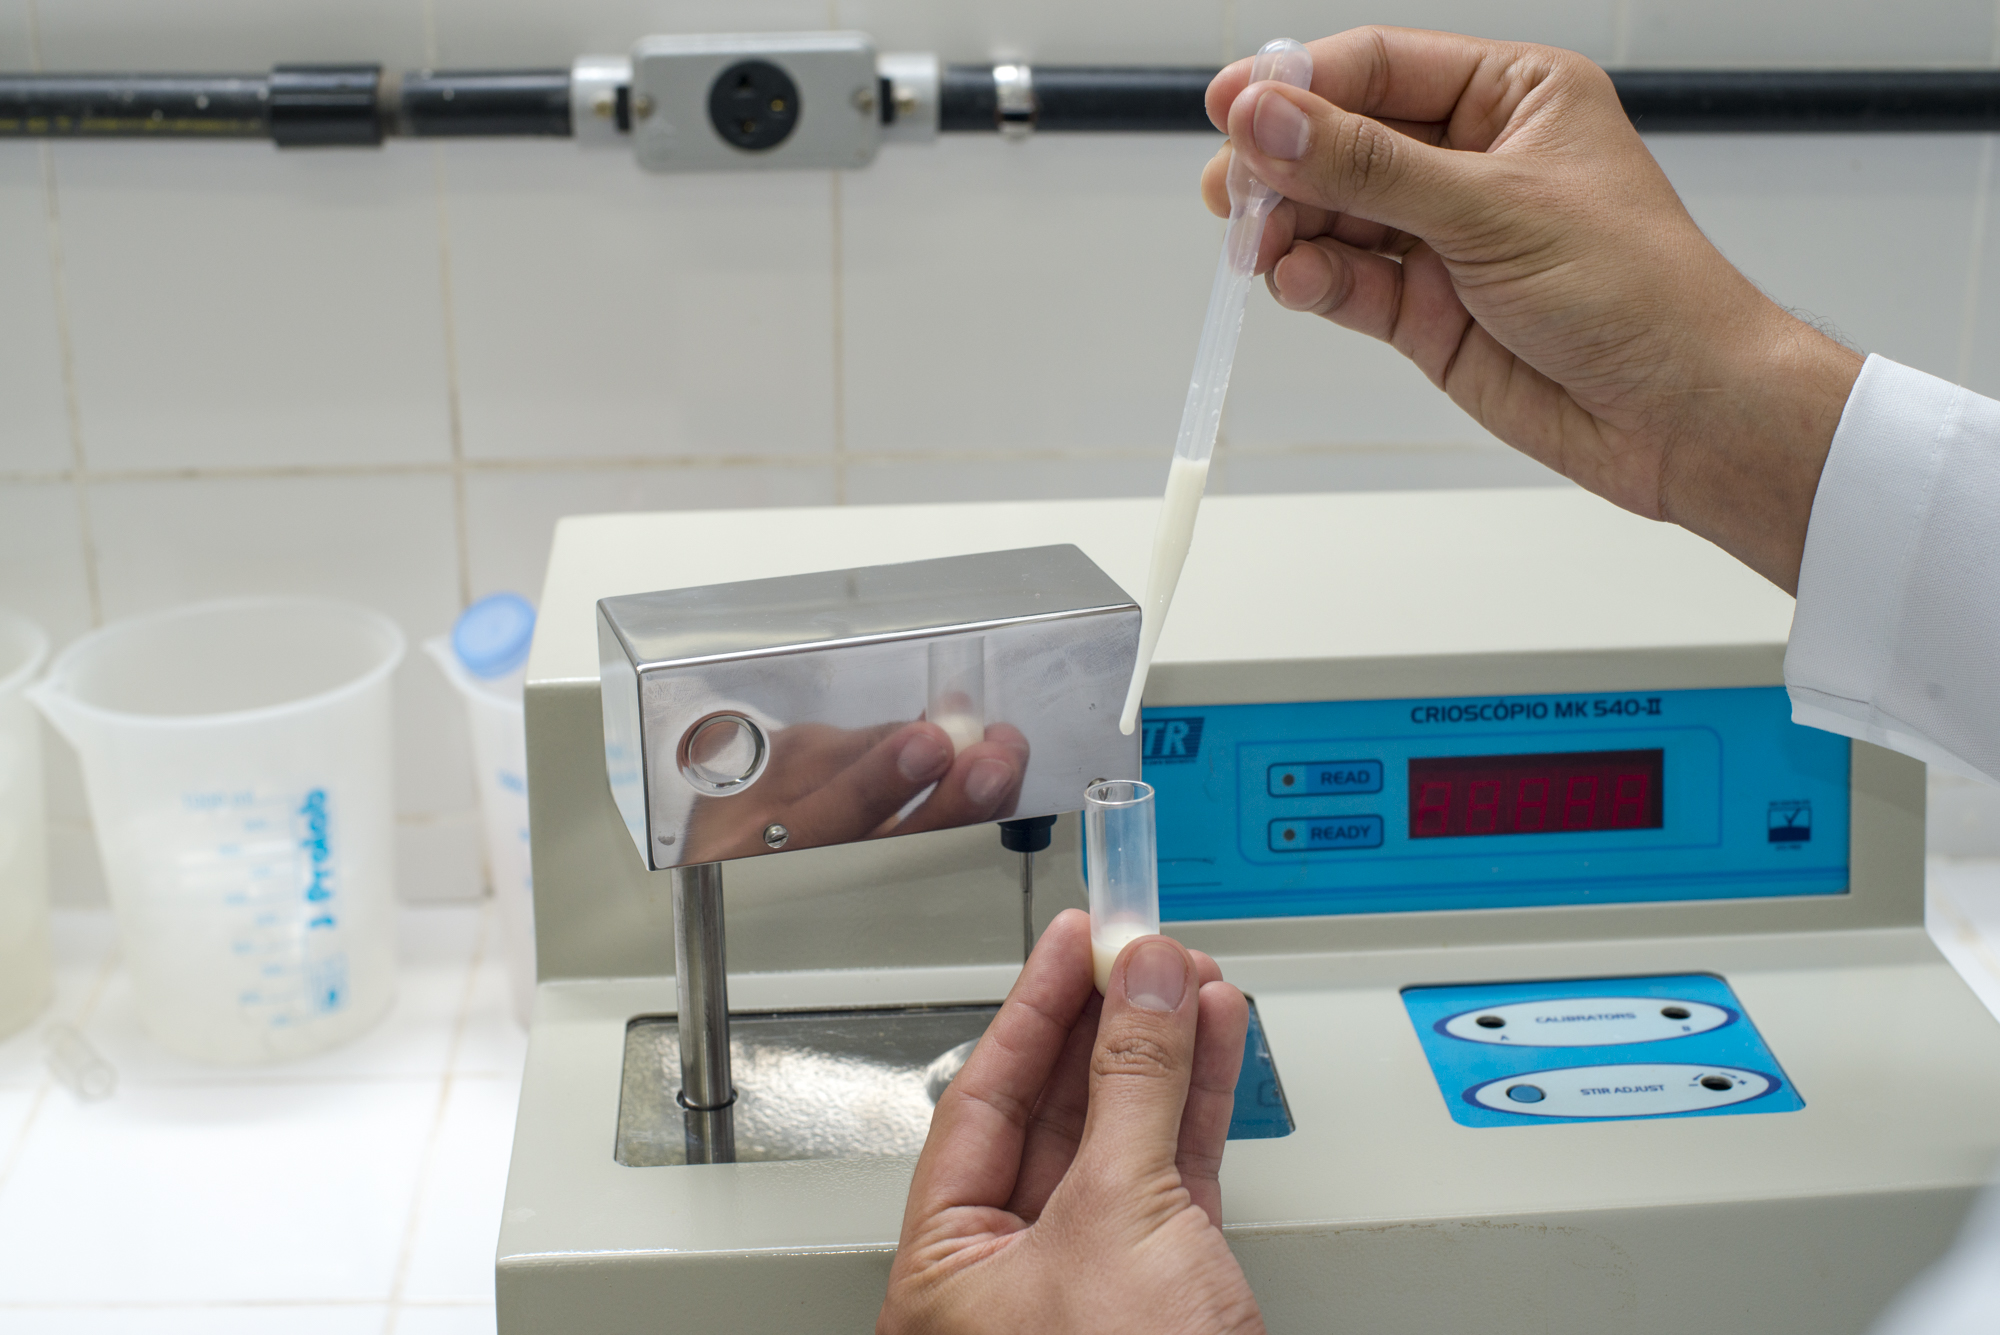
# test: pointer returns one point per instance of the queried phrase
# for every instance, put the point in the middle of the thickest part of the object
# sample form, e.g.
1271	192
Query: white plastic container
24	842
237	757
486	659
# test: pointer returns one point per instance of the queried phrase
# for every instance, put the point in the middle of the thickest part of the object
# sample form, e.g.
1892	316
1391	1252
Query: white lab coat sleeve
1896	638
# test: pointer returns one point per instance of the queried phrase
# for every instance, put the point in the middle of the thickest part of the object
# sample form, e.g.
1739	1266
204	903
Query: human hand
829	785
1070	1179
1488	210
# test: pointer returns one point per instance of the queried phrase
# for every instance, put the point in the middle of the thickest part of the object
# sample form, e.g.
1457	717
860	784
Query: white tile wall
1303	382
1589	26
1187	32
476	33
511	513
1043	296
609	313
1809	33
384	374
231	35
904	481
34	432
43	576
232	305
1822	224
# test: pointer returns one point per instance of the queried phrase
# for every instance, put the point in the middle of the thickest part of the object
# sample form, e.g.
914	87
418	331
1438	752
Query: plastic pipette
1250	203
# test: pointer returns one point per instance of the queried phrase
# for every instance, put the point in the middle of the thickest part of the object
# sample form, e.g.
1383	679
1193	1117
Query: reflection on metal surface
809	1084
773	715
850	1084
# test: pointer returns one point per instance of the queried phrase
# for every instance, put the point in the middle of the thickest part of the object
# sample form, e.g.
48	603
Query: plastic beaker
237	758
25	974
1122	869
486	659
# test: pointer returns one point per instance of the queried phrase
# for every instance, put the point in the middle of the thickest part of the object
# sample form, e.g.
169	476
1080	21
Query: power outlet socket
755	101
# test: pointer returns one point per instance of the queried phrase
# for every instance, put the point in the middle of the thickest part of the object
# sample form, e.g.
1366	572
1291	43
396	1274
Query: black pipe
347	105
1168	99
1121	99
127	106
1815	101
1107	98
496	102
967	99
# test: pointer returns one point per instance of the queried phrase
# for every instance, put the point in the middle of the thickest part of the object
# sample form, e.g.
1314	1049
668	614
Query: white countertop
353	1193
356	1193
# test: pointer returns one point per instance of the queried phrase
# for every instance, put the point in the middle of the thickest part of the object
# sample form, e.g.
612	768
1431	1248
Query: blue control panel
1373	806
1596	1050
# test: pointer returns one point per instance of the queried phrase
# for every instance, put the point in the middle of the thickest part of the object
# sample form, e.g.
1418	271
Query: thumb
1140	1066
1309	150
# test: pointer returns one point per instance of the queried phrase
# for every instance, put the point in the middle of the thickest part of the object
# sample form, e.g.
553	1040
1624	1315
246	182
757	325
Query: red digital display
1564	792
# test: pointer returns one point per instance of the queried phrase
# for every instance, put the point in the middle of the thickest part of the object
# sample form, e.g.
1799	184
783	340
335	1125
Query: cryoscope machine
1590	992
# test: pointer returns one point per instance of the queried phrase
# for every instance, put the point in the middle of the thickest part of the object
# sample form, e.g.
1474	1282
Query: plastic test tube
1123	869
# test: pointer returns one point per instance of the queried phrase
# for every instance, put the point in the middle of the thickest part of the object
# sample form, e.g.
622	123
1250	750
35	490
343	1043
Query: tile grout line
453	416
835	214
1975	261
437	1122
1621	32
65	348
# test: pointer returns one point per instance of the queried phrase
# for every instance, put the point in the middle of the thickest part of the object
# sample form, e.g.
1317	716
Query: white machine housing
1379	1212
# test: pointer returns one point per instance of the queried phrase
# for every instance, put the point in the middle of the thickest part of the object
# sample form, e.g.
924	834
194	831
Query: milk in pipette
1186	480
1250	204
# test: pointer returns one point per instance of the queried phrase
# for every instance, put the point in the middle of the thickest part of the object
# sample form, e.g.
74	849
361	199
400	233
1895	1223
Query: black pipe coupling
326	106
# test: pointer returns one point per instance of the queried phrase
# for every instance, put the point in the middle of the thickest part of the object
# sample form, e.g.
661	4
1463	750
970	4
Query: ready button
1326	834
1317	778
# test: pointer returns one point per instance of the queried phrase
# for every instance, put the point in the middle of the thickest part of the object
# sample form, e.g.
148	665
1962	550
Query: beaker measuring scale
237	759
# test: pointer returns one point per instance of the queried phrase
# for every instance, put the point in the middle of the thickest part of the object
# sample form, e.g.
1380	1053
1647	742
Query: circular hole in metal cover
722	754
754	105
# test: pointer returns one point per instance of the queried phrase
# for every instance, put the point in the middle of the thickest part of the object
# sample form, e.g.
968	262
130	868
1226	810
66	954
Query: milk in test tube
1122	869
237	758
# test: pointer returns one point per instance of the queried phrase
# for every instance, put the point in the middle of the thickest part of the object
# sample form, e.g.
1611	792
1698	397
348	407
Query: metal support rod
701	980
1027	906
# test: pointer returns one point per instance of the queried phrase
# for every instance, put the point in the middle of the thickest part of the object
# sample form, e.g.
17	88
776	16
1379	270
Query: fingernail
1156	977
987	780
923	757
1280	129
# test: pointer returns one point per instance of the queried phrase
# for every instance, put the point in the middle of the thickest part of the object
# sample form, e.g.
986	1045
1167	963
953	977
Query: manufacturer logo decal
1170	741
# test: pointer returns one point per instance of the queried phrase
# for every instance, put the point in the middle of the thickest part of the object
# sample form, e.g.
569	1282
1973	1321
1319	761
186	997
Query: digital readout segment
1552	793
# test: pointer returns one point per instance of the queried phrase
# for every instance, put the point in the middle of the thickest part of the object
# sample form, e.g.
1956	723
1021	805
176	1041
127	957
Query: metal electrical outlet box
746	101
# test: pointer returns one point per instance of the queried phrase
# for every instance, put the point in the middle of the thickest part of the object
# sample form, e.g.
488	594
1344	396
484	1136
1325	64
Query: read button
1318	778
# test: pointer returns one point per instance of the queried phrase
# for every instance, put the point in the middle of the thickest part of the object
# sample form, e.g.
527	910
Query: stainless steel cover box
714	694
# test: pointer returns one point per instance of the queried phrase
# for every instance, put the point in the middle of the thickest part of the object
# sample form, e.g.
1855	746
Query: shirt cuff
1896	639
